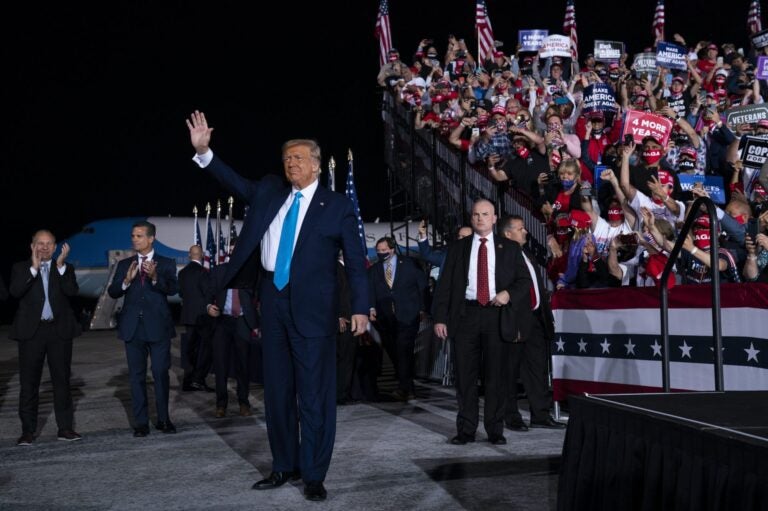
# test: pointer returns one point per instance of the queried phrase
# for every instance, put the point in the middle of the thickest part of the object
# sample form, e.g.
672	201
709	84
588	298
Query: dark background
96	98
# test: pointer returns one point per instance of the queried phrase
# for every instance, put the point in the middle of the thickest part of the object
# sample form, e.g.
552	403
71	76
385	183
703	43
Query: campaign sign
599	96
641	125
712	184
645	63
608	51
556	46
760	39
531	40
747	114
671	56
755	152
761	71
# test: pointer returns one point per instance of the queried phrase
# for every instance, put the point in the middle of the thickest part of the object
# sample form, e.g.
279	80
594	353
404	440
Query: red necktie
483	293
142	273
236	311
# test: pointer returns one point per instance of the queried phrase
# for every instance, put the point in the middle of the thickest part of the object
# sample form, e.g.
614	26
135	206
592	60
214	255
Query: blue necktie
285	248
47	311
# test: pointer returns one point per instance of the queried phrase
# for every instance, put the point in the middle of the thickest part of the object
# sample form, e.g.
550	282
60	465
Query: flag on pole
485	45
223	256
569	29
383	33
232	236
351	193
198	238
210	248
332	174
658	22
754	18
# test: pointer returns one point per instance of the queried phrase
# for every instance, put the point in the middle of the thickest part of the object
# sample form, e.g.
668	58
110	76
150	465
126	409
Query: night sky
96	98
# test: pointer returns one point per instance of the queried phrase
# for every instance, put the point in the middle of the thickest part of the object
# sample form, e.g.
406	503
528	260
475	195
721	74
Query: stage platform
682	451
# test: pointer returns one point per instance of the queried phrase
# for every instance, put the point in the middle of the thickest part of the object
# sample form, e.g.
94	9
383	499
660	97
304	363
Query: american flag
383	33
232	236
210	248
569	28
484	32
223	255
658	22
351	193
754	18
198	238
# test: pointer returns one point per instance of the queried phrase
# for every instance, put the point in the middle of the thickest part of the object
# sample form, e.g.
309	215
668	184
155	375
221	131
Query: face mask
613	76
652	156
383	256
742	219
686	166
523	152
567	183
610	160
701	239
597	131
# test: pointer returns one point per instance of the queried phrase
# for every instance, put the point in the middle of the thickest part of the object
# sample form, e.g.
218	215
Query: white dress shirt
533	278
471	291
271	240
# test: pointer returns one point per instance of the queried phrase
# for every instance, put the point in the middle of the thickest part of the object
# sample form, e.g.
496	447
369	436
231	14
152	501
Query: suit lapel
313	216
467	253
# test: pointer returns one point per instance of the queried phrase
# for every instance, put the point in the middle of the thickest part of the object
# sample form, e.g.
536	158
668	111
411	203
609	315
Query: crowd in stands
613	206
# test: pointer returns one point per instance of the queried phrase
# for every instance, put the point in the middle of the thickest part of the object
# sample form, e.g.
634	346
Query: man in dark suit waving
44	326
483	281
145	324
295	233
397	288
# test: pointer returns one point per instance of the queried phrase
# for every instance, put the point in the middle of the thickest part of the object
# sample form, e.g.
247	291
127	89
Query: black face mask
383	256
610	160
686	165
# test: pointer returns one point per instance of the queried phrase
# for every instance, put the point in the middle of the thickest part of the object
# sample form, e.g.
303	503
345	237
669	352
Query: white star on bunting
656	347
686	350
582	345
752	353
606	346
630	347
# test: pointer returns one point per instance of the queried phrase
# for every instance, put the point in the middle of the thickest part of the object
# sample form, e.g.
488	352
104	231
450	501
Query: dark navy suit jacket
148	301
329	225
406	298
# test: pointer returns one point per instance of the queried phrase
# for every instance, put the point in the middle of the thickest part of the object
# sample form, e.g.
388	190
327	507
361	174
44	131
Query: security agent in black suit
44	326
236	328
481	315
397	287
193	286
529	357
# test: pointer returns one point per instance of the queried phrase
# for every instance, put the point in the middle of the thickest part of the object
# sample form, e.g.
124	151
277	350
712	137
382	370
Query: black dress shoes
462	439
497	440
165	426
26	438
549	422
275	480
517	425
140	431
315	491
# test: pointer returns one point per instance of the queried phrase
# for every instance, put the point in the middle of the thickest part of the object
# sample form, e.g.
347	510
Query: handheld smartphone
719	62
475	131
752	225
628	139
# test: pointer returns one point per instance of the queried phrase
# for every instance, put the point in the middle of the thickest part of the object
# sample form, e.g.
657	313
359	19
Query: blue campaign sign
530	40
712	184
599	96
671	56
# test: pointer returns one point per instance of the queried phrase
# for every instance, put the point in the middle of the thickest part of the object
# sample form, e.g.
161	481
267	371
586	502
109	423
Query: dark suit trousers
303	367
229	346
32	355
528	361
346	349
199	352
136	352
477	341
399	340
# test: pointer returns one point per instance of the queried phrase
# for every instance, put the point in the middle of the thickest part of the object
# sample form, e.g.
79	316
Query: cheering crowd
613	198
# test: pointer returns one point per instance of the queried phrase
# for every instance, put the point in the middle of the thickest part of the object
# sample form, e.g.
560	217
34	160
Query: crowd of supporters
613	207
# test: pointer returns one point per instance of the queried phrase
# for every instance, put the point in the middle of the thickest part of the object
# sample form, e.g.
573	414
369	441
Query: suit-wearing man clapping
397	288
236	325
299	230
146	280
44	326
483	280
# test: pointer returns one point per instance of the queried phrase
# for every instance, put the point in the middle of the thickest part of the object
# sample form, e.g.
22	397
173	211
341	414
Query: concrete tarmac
387	456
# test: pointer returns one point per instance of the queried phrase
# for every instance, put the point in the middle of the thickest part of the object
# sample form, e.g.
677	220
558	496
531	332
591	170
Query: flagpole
231	202
207	220
194	231
218	230
332	174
